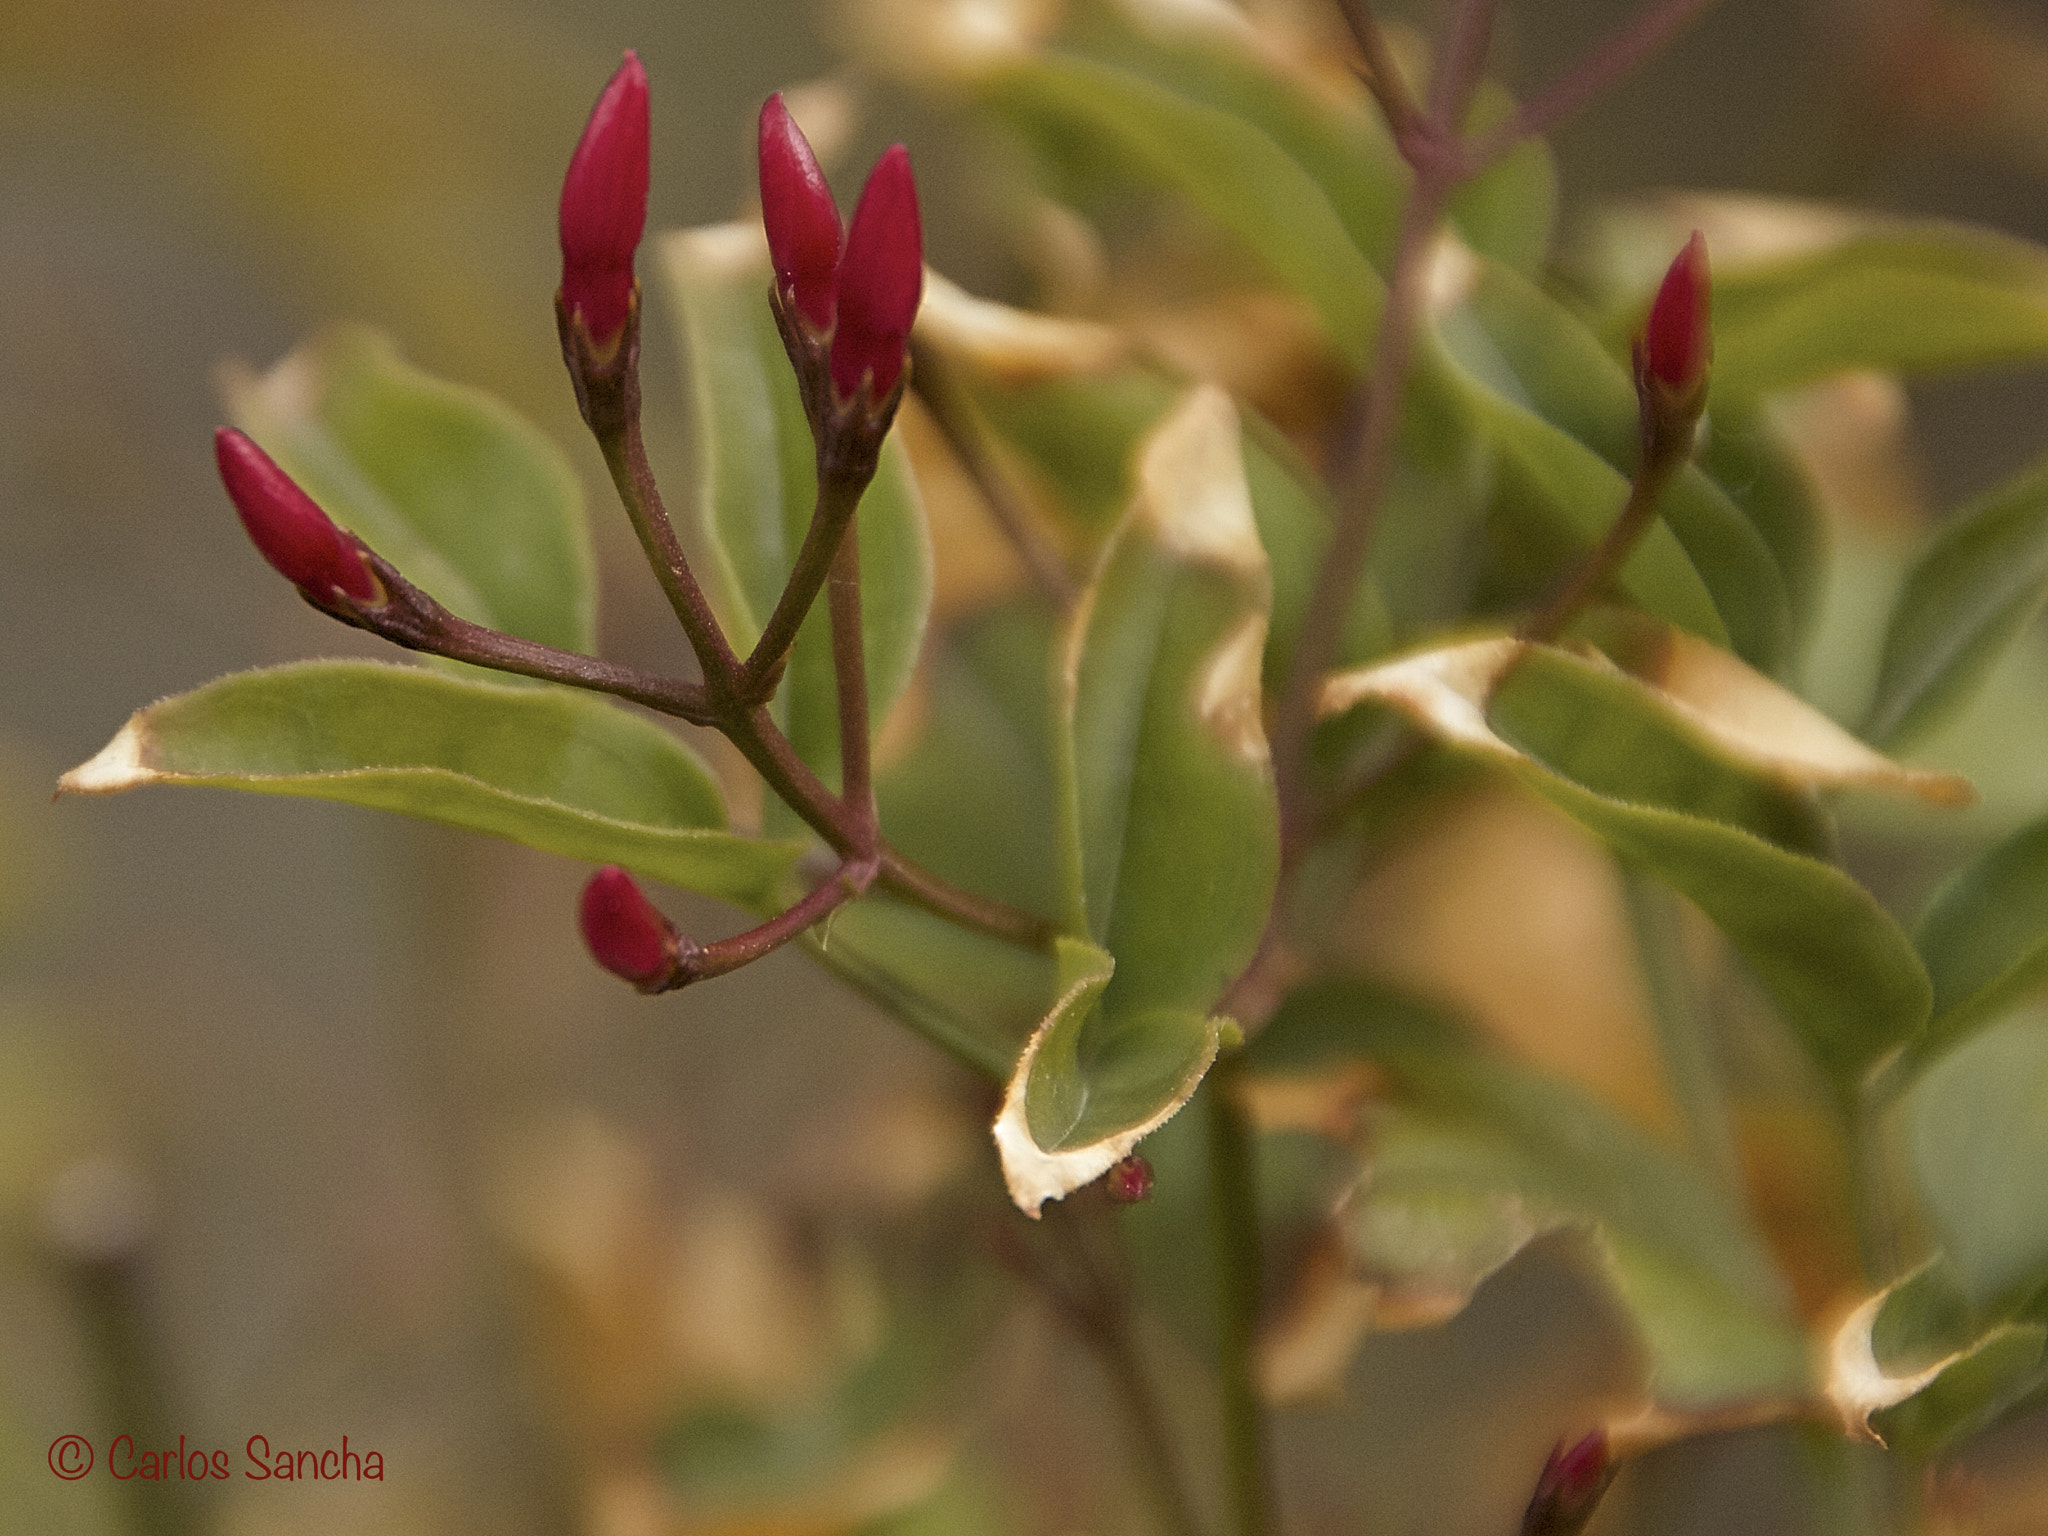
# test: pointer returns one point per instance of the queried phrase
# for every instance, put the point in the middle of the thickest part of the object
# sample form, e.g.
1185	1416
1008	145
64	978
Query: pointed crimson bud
881	278
1129	1181
604	205
1573	1480
626	934
1678	342
287	527
797	208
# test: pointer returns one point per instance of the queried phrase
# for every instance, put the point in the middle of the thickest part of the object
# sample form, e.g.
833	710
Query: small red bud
626	934
287	526
881	279
1570	1488
1129	1181
604	205
801	219
1678	342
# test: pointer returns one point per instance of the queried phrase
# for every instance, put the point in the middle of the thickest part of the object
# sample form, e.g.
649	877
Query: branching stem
1614	60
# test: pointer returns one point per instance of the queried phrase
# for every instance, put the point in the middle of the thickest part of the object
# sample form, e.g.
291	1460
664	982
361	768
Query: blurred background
315	1122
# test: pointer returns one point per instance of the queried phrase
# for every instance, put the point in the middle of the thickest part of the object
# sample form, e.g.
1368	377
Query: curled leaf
1088	1087
1667	793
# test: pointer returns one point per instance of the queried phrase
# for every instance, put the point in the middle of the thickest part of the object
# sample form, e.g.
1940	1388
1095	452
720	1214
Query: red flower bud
1678	342
1570	1488
797	208
287	526
1129	1181
604	205
881	278
626	934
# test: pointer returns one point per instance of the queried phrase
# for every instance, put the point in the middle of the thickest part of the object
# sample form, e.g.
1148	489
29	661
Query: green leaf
972	798
1172	827
1750	461
1472	1157
1973	590
1914	1367
757	487
1973	1393
1563	373
1551	490
1905	298
450	485
974	997
1984	937
1081	110
555	770
1976	1126
1669	794
1090	1085
1803	290
1214	58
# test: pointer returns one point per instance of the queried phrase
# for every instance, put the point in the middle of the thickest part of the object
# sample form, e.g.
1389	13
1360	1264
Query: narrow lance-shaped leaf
1663	793
757	487
1976	1127
1470	1158
1984	937
1970	594
555	770
1170	827
465	497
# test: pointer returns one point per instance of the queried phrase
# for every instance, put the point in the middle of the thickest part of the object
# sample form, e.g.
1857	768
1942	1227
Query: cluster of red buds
864	297
845	307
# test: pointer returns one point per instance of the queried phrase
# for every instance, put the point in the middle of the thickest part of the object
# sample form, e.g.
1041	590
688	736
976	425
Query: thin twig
608	395
1364	466
1382	74
1361	480
1620	55
1095	1306
411	618
850	672
1623	534
1460	62
838	498
953	414
1234	1217
704	961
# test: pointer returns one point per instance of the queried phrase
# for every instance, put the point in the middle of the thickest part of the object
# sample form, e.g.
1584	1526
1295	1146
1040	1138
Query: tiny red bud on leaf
881	279
1129	1181
1678	342
604	205
800	217
1569	1489
287	526
625	932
